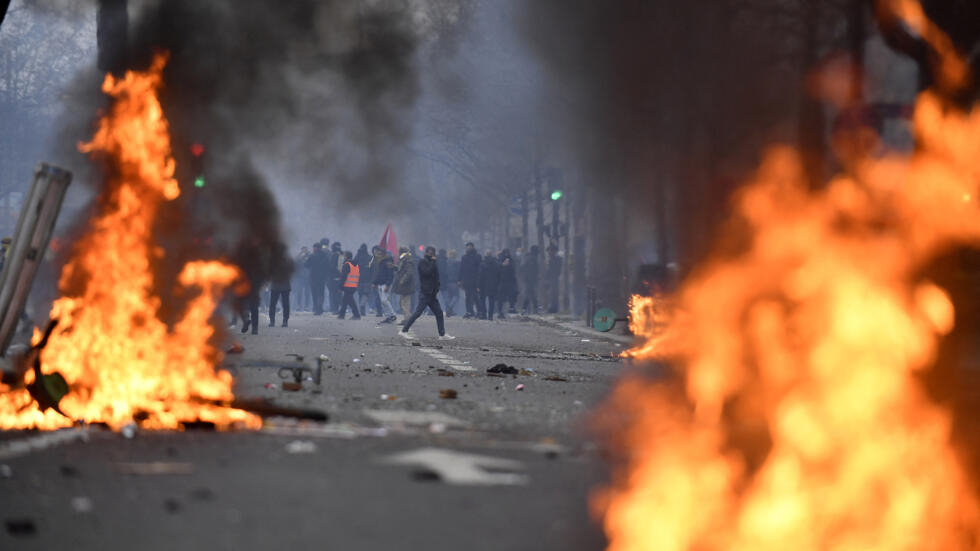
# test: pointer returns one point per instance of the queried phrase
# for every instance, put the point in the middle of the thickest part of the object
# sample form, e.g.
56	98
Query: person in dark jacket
334	282
469	280
428	294
529	279
319	265
442	261
552	277
350	276
373	265
280	286
489	285
452	290
384	276
508	282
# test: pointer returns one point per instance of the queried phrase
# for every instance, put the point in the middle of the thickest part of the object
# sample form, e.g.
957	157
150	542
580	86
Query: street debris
503	369
155	468
271	386
438	428
447	394
556	378
586	340
356	360
20	527
519	387
171	505
129	431
389	397
445	373
292	387
81	504
235	348
300	446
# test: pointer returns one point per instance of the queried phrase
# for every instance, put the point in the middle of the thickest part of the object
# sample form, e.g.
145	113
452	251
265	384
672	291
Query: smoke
315	96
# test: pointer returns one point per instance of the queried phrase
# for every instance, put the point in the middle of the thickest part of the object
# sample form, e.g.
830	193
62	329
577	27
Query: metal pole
34	229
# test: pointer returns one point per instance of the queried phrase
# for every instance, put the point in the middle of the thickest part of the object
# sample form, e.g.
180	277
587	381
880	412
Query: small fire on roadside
795	416
122	363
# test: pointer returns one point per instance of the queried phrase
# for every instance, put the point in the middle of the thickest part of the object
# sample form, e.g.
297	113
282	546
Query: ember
798	421
121	362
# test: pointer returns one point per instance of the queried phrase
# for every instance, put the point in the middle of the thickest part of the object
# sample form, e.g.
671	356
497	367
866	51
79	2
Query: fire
796	420
122	363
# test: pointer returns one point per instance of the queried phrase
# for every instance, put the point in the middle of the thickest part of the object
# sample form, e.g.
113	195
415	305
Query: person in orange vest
350	274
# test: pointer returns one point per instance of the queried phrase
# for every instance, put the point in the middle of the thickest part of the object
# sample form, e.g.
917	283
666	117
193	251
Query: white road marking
463	469
42	441
445	359
406	417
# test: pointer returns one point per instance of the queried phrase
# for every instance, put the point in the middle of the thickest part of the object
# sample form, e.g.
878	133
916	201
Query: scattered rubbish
155	468
235	348
379	365
527	372
416	344
556	378
519	387
438	428
6	471
445	373
271	386
356	360
447	394
577	403
425	475
292	387
202	494
68	471
389	397
362	354
301	446
20	527
129	431
324	358
586	340
81	504
503	369
171	505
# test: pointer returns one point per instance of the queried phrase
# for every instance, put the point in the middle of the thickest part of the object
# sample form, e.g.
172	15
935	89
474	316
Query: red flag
388	242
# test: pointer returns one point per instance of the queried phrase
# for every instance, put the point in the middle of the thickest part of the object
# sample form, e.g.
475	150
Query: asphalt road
396	466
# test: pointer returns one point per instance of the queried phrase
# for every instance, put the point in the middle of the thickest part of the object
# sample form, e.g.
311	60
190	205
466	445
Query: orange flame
120	360
797	421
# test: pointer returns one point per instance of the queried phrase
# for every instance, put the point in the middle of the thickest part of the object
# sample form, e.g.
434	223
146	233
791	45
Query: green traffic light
556	195
199	181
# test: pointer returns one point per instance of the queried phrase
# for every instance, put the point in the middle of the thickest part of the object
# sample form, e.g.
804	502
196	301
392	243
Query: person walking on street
529	277
489	285
350	275
279	287
319	266
428	294
469	281
405	281
383	277
452	290
552	277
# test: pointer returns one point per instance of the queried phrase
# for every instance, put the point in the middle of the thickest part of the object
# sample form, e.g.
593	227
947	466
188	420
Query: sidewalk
616	334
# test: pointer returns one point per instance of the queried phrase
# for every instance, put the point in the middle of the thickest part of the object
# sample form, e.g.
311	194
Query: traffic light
197	164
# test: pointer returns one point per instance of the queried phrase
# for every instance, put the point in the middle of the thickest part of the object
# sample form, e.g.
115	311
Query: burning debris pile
120	361
798	419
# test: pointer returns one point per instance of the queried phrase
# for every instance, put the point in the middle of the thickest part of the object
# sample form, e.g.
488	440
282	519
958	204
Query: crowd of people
326	279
